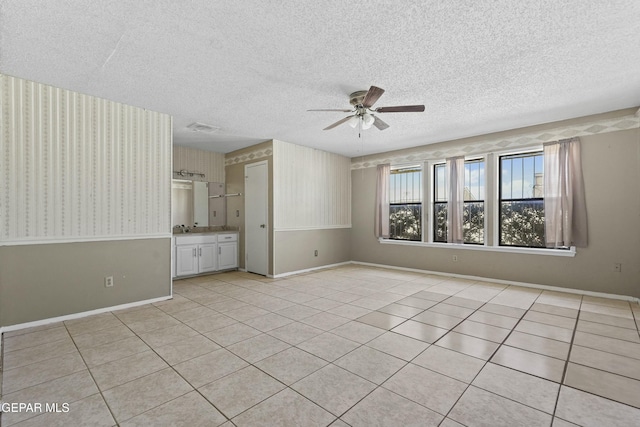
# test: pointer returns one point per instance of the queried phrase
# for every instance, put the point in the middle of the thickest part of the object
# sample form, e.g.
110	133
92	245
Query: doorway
256	191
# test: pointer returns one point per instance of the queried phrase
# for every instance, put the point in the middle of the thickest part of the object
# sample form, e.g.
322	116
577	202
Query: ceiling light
353	121
367	120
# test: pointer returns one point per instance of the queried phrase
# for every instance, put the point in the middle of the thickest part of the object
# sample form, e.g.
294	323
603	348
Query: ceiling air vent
201	127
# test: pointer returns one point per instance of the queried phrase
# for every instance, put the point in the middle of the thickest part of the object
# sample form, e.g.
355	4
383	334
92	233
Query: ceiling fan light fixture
362	102
367	120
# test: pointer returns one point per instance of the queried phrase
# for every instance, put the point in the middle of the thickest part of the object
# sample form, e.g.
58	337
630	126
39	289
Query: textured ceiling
253	67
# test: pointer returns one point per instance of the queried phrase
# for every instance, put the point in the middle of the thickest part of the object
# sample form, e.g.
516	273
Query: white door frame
266	211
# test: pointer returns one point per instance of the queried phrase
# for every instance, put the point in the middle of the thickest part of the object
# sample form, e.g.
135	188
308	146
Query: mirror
181	202
195	203
200	204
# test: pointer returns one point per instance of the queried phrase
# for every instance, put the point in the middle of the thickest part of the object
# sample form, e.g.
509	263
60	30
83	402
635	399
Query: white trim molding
307	270
81	314
505	282
85	239
571	252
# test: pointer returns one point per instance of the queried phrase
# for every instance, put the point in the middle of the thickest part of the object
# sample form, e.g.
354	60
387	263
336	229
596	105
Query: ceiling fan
363	115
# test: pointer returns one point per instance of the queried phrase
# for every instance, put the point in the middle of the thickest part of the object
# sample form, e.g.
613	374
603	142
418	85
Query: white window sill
571	252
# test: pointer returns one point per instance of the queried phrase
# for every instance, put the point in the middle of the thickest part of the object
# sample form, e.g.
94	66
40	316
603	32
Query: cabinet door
207	257
186	260
227	255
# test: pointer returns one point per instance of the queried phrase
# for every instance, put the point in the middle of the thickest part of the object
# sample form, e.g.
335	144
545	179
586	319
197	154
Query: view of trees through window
473	213
405	203
520	203
521	200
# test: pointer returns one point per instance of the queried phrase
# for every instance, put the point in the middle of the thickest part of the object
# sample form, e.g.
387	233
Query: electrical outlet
455	258
315	253
108	281
617	267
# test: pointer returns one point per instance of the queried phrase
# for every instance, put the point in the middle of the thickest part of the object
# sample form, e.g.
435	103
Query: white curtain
455	200
382	201
565	211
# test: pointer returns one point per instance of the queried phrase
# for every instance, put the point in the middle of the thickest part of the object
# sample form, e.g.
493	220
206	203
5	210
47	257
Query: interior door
256	199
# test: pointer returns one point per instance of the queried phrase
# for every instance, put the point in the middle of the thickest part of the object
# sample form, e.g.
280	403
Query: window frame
420	166
491	208
433	224
499	198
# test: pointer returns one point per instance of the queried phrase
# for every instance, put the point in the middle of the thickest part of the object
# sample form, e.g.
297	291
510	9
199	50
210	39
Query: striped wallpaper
78	167
311	188
207	162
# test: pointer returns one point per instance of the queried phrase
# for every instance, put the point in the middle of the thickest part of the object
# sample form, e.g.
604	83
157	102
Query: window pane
473	226
505	174
405	221
521	203
440	185
473	215
405	185
440	222
405	197
522	223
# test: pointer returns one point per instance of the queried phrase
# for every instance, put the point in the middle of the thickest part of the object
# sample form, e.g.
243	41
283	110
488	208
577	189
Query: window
521	202
405	203
473	224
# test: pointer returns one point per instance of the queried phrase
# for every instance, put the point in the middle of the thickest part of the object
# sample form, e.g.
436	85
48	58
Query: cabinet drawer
231	237
195	239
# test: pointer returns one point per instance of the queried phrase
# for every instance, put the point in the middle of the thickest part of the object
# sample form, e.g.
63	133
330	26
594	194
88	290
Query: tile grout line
172	368
91	374
377	386
486	361
566	364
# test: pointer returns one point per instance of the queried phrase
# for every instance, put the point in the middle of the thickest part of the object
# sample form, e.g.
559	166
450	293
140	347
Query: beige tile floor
354	345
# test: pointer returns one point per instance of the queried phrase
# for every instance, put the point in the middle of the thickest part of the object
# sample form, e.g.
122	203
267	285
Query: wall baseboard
307	270
506	282
80	315
292	273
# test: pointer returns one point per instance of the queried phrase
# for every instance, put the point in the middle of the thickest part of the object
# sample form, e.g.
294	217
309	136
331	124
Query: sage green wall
49	280
294	250
611	166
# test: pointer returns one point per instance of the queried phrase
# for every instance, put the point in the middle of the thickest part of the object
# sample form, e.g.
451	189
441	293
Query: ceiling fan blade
338	123
401	109
372	96
332	109
379	124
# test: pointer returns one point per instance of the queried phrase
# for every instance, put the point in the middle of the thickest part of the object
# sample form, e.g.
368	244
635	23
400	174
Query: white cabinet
227	251
203	253
196	253
207	258
186	260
